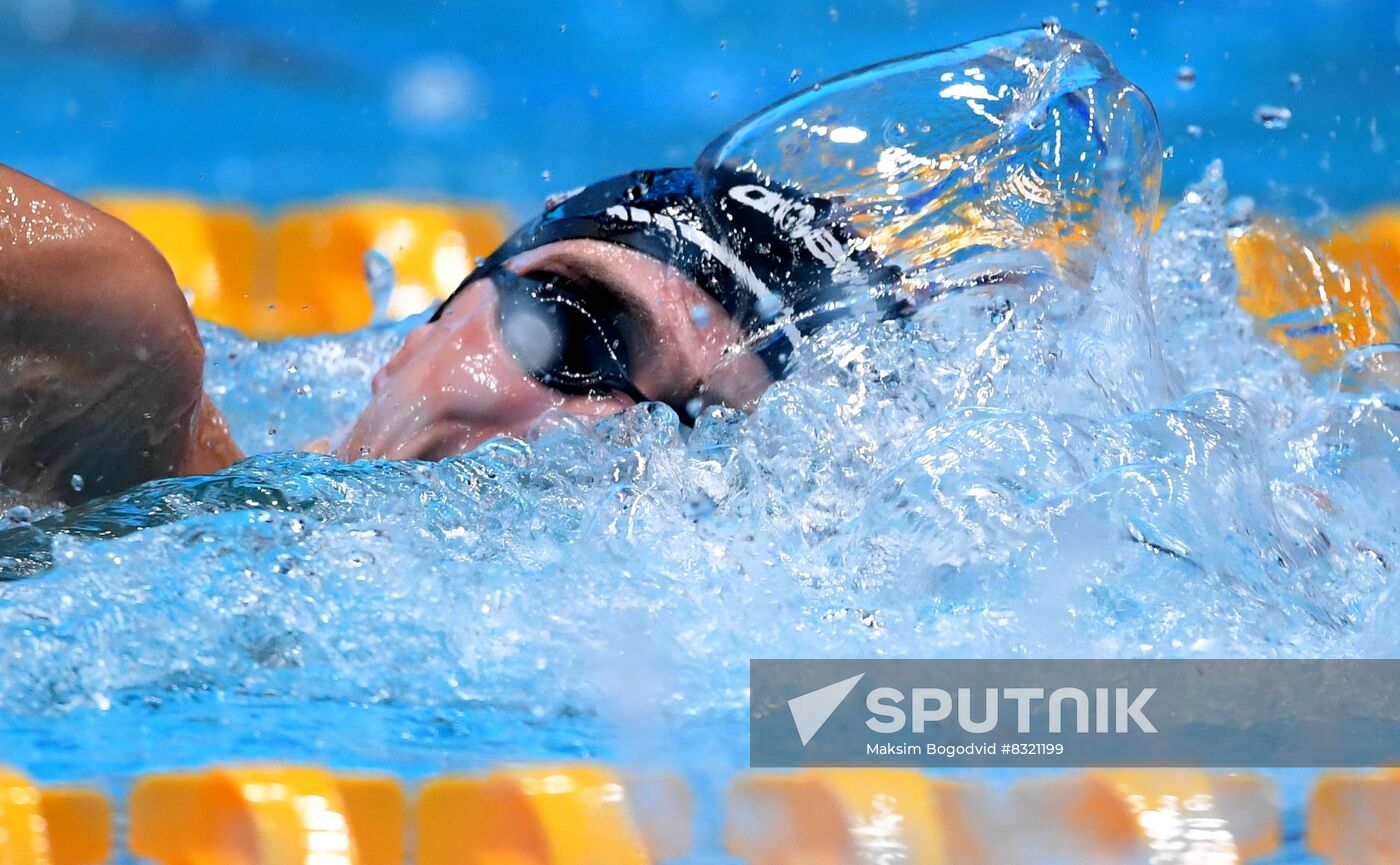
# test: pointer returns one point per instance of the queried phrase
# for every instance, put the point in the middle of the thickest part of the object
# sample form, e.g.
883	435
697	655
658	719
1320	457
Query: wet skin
101	368
454	383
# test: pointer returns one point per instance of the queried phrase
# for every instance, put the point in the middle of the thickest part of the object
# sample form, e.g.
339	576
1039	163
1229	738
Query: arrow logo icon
811	710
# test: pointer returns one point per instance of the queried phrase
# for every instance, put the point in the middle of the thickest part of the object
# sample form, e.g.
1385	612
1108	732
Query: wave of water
913	490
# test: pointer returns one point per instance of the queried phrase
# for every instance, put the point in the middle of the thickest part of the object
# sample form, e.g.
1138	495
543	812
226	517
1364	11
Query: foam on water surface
1032	467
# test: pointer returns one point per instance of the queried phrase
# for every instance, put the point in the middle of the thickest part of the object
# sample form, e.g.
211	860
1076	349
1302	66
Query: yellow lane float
594	815
850	816
319	261
549	815
1176	815
307	272
266	815
1354	819
52	826
1320	300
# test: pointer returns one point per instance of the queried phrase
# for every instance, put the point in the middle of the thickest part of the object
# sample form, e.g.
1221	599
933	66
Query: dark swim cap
777	260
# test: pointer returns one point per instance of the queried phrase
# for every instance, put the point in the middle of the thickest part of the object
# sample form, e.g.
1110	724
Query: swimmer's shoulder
101	366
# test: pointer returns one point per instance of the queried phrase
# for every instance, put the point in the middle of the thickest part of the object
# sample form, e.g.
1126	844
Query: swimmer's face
579	326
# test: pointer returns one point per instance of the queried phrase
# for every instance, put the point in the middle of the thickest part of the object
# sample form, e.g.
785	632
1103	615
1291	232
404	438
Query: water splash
910	491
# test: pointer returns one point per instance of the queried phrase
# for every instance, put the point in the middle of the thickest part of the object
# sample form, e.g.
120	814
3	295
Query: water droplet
379	274
291	369
1295	81
563	27
76	482
693	406
833	14
1132	33
1100	6
1272	116
1239	211
723	44
770	306
700	314
1051	25
714	94
1194	131
1185	77
1169	152
546	175
19	514
794	75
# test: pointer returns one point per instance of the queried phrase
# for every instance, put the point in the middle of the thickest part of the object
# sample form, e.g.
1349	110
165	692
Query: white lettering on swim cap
747	278
795	218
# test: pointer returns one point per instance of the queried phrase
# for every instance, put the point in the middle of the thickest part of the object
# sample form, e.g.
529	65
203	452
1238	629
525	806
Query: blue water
271	101
1043	472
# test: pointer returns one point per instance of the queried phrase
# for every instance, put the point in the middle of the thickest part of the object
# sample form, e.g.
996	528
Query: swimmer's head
655	285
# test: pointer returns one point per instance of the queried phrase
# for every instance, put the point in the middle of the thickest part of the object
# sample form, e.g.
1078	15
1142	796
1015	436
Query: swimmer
642	287
685	286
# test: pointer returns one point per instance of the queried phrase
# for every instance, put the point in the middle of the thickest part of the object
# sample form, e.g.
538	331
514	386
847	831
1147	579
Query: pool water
1010	472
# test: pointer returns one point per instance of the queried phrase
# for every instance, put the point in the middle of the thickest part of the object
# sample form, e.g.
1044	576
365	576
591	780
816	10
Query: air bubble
1051	25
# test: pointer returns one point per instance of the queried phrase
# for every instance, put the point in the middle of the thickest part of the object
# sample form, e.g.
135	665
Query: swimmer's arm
101	367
